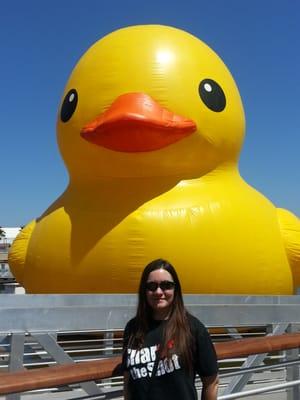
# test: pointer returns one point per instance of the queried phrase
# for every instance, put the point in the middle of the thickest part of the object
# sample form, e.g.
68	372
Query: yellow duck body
138	191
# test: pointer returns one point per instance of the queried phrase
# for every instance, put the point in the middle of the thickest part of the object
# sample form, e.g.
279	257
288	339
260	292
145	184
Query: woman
165	346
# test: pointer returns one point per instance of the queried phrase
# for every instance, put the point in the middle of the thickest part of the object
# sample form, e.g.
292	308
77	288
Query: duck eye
69	105
212	95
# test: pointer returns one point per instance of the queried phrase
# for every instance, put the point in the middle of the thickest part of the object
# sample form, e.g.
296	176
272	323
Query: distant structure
6	238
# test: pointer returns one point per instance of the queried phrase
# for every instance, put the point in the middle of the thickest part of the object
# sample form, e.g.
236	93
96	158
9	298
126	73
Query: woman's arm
126	392
210	387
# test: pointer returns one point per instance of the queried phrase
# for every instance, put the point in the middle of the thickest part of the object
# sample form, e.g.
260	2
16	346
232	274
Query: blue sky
42	41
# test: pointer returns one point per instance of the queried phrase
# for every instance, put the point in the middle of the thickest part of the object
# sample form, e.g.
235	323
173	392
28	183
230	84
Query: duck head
149	101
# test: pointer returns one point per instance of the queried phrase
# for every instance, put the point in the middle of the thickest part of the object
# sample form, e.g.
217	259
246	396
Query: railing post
293	372
239	382
16	357
49	343
108	345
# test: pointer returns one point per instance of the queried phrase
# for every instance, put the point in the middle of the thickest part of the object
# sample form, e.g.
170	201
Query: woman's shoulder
131	324
196	324
129	329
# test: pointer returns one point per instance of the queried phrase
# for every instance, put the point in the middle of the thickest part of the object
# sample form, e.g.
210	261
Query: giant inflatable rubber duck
150	128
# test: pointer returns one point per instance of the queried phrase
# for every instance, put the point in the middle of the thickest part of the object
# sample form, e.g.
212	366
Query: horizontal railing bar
28	300
259	390
56	319
59	375
267	344
260	368
93	370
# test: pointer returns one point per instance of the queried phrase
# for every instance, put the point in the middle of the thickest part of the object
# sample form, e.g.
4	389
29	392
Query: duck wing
18	251
290	230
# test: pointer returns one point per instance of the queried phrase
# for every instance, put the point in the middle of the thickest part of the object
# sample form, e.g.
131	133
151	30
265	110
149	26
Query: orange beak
134	123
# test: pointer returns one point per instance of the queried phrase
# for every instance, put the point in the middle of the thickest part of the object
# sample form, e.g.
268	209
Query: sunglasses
163	285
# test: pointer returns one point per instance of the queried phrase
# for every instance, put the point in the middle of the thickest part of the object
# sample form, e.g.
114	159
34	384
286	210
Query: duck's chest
205	230
216	247
198	221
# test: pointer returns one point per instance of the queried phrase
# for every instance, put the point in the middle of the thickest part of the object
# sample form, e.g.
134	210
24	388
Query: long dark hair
177	329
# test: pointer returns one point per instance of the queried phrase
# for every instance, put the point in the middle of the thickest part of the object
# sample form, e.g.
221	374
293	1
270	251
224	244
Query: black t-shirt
171	381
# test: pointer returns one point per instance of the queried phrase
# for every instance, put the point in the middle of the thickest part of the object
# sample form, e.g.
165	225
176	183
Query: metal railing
62	375
39	330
